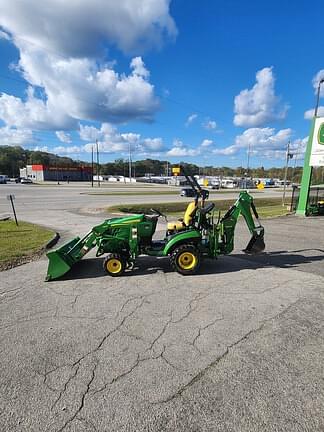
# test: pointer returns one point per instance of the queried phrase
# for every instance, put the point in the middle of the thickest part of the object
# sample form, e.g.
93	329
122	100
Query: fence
316	194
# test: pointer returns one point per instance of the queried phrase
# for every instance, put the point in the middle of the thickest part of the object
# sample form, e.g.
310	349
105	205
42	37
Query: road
53	203
238	347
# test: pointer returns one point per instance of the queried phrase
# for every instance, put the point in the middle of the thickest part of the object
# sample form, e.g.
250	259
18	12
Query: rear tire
114	264
186	259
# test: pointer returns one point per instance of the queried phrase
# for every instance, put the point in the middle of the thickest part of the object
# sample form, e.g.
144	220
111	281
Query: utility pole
130	162
98	169
92	165
248	164
288	156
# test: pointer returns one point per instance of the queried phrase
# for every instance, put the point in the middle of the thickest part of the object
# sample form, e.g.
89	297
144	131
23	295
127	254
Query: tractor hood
125	220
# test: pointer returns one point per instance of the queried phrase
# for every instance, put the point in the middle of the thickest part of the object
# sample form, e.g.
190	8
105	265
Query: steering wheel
158	212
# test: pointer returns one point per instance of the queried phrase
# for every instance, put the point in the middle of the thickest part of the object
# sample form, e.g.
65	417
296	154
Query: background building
56	173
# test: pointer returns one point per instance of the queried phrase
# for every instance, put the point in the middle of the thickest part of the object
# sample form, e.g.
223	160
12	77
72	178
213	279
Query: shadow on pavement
93	267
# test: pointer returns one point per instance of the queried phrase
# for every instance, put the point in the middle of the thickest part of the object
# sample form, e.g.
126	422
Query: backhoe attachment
256	244
243	205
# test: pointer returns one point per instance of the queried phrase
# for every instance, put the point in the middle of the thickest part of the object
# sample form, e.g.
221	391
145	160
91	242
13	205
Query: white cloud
317	78
78	89
81	28
42	149
227	151
4	35
264	142
309	114
139	68
260	105
34	113
15	137
111	141
62	50
179	149
206	143
210	124
191	119
67	150
63	137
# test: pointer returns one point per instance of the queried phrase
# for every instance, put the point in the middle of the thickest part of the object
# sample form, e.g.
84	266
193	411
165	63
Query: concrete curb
53	241
4	218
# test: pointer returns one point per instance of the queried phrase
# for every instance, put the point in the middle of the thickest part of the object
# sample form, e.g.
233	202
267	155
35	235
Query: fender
182	237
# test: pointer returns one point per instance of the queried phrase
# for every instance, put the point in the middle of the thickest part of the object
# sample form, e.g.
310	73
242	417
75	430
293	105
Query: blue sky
201	82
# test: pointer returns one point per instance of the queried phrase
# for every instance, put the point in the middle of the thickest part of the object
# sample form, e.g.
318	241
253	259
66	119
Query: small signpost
11	199
260	186
176	171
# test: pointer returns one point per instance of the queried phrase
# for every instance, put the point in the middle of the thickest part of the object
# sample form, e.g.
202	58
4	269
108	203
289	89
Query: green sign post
313	156
307	176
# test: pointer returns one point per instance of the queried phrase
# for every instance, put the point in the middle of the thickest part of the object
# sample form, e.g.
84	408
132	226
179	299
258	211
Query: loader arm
62	259
243	206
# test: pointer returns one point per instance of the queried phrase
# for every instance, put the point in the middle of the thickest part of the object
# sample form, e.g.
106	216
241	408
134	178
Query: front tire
186	259
114	265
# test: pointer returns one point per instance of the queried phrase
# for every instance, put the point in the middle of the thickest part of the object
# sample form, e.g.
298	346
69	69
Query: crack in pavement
77	364
84	395
161	333
202	372
71	377
87	422
118	377
201	329
128	371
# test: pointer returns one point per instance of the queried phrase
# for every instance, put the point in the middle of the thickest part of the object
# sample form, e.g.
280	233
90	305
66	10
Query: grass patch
267	207
135	192
19	243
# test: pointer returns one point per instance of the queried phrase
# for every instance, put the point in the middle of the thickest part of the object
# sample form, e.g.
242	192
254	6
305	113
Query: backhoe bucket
62	259
256	244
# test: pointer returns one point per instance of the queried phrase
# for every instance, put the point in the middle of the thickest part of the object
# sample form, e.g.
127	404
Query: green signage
320	135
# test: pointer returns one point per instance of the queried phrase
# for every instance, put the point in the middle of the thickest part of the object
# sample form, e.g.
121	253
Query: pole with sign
11	199
314	156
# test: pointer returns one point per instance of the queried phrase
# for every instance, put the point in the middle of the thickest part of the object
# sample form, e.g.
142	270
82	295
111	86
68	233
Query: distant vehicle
187	192
3	179
25	181
229	184
214	186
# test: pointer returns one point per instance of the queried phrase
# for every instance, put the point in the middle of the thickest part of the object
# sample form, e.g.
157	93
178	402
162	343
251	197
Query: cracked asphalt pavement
238	347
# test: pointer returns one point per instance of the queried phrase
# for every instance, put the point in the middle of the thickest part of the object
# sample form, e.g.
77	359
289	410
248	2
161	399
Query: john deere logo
320	135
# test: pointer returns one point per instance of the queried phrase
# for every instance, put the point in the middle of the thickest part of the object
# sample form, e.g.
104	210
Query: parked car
25	181
187	192
3	179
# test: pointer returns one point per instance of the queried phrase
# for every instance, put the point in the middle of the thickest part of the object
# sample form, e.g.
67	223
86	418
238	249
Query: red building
56	173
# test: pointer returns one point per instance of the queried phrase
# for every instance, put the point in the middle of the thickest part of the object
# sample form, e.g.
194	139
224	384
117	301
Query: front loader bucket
62	259
57	267
255	245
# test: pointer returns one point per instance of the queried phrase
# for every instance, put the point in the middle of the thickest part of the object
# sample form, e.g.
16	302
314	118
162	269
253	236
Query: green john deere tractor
199	234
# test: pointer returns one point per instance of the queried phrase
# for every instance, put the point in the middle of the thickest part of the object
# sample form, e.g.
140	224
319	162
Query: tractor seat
182	224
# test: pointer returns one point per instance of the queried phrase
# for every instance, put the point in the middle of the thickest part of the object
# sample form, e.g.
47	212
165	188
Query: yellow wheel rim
187	260
114	265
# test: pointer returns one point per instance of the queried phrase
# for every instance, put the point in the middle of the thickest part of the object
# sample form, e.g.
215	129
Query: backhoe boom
245	206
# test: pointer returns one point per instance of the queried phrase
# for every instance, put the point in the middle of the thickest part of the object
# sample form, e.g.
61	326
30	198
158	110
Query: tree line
13	158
